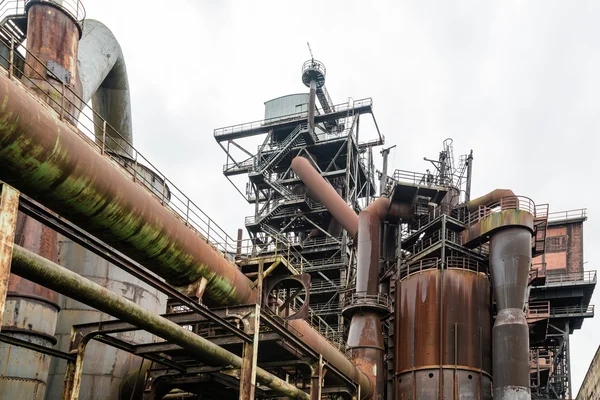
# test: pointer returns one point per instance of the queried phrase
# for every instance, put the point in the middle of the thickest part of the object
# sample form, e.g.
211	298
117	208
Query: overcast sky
515	81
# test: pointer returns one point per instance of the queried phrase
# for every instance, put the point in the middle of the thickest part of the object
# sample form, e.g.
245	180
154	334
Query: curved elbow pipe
491	197
103	76
322	191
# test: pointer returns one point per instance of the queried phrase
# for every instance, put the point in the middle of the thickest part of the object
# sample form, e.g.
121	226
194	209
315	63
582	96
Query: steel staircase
13	21
327	104
285	147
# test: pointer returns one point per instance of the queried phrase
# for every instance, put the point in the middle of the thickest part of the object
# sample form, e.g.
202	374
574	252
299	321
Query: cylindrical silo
104	367
443	334
30	315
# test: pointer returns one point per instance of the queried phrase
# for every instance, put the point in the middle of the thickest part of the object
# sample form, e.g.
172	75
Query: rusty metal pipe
47	160
491	197
326	194
510	260
44	272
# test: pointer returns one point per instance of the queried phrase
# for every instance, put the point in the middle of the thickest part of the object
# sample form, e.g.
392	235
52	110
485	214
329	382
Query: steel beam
316	379
39	270
250	357
9	206
98	247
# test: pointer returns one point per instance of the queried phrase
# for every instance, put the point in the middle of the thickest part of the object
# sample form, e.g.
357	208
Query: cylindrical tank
443	334
52	44
30	315
104	367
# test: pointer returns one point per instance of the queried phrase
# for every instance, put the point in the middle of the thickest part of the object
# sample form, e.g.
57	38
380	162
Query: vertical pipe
568	359
240	236
469	175
312	104
510	260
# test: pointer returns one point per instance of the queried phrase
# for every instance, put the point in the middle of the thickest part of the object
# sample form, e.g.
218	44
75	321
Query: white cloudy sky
515	81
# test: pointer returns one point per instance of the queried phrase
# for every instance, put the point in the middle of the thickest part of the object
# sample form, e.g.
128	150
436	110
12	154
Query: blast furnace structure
350	283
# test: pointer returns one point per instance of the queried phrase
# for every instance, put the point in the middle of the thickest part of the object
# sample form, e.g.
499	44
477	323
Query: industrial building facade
590	388
349	283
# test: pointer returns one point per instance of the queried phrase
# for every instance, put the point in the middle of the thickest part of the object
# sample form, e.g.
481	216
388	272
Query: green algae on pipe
37	269
49	161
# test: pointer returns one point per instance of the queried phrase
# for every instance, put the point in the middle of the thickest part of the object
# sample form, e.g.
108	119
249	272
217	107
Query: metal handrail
572	310
348	106
314	64
354	298
74	8
425	264
570	278
70	106
567	215
521	203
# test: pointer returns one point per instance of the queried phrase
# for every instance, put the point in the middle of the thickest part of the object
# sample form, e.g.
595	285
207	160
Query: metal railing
567	215
323	285
461	263
572	311
521	203
570	278
74	8
71	107
314	64
353	298
348	106
538	310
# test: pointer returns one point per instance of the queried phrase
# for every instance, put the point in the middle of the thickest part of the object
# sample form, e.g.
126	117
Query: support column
250	357
74	371
316	379
9	205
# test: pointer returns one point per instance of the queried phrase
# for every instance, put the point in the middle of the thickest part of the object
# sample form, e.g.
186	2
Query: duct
492	197
37	269
510	260
326	194
103	76
47	160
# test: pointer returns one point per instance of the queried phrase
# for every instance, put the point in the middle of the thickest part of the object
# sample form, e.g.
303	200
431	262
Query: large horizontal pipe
47	160
37	269
322	191
492	197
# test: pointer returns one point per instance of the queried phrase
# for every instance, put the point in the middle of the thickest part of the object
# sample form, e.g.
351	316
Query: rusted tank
443	342
52	43
30	315
105	366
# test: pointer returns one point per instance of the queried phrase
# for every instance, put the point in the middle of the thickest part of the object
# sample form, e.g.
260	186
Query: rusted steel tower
289	215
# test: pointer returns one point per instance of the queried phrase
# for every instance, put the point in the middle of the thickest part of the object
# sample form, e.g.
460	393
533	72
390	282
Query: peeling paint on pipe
37	269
